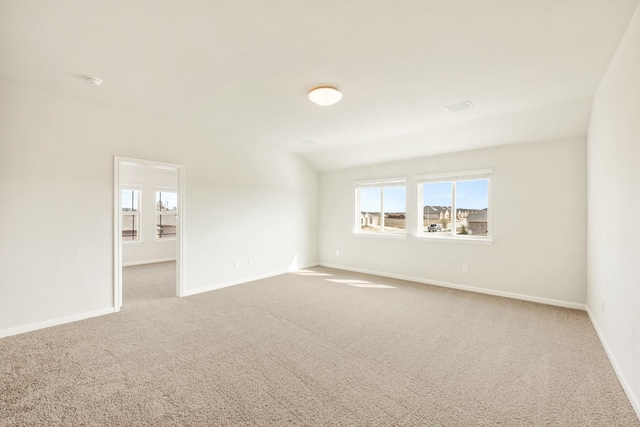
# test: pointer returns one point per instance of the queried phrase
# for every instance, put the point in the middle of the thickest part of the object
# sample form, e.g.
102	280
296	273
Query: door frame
118	161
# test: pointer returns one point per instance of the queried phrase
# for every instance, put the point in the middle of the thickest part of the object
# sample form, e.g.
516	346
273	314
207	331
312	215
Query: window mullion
358	211
382	209
420	211
454	217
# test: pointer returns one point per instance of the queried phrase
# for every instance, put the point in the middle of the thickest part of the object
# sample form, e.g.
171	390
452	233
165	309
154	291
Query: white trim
180	246
455	176
190	292
548	301
383	235
149	261
243	280
635	402
165	240
368	182
304	267
117	236
453	239
54	322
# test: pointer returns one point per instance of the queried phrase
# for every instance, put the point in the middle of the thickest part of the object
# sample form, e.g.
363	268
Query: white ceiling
243	68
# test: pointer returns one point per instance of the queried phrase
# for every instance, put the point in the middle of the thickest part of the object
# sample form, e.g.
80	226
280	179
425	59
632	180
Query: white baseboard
304	267
149	261
243	280
635	402
190	292
73	318
549	301
54	322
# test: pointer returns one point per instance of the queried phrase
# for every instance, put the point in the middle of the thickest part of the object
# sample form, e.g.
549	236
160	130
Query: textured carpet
146	283
318	347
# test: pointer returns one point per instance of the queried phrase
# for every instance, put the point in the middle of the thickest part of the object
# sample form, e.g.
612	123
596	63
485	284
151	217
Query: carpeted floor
142	284
319	347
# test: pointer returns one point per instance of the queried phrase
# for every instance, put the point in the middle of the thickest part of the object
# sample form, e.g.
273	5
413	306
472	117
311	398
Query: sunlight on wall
294	264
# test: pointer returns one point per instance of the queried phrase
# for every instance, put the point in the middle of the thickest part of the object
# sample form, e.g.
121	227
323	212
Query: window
381	206
166	214
455	204
130	214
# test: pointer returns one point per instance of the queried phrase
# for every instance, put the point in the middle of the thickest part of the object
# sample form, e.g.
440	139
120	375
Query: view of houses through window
382	207
166	214
130	205
452	205
456	208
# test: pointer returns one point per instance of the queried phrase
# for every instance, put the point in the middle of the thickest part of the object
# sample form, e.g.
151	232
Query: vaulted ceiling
243	68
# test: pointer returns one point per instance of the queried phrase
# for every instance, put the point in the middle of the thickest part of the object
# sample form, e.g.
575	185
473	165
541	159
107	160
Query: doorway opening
148	222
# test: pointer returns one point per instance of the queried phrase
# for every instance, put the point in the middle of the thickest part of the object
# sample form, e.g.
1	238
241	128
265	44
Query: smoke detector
459	107
93	81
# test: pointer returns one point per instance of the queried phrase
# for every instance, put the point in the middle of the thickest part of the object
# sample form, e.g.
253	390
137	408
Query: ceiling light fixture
93	81
325	95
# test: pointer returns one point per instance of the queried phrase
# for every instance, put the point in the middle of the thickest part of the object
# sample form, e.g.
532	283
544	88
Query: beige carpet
322	348
146	283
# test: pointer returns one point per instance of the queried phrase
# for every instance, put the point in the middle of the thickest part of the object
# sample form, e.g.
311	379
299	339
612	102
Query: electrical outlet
465	268
337	253
249	262
236	263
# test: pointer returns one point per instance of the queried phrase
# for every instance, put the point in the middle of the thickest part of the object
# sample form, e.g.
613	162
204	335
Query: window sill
165	240
451	239
132	242
382	235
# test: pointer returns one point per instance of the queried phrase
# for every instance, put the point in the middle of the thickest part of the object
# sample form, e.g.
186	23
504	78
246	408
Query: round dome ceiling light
325	95
93	81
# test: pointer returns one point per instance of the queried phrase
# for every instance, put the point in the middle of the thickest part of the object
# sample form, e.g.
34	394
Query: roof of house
436	209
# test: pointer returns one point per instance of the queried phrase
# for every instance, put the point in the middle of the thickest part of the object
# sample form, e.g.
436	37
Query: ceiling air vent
309	142
459	107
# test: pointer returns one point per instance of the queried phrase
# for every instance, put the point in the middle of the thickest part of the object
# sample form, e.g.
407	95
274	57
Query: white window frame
138	188
453	178
158	213
389	182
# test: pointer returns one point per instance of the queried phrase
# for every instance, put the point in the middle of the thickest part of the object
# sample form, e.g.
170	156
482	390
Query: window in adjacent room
381	206
130	205
166	214
455	205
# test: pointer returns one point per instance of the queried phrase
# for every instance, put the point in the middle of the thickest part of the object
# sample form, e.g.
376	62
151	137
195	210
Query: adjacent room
148	200
319	213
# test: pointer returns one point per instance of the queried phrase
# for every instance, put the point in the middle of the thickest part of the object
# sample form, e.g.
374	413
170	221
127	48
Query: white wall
614	204
56	181
148	248
538	223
